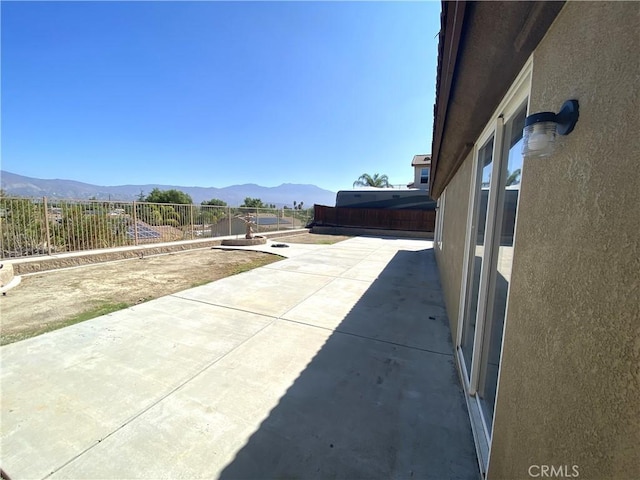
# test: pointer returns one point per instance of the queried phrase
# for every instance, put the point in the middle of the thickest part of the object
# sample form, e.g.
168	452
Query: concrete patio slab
317	264
81	383
366	270
273	373
224	416
377	313
254	291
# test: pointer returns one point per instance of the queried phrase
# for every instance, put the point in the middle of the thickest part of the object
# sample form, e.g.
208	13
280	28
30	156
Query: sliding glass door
491	229
484	166
499	276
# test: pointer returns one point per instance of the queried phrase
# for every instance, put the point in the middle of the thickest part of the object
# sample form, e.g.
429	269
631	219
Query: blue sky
216	94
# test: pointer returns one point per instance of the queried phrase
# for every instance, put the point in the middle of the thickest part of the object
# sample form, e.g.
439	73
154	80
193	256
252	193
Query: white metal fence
44	226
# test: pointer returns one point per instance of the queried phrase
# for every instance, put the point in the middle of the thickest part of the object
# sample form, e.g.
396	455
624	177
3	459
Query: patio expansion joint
273	267
328	275
211	304
365	337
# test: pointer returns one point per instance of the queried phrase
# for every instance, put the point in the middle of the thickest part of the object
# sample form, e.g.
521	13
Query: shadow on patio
381	399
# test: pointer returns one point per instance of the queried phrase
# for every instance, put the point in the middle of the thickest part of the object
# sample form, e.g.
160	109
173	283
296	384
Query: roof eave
475	70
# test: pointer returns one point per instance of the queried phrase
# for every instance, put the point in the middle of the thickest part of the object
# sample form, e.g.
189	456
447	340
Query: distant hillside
234	195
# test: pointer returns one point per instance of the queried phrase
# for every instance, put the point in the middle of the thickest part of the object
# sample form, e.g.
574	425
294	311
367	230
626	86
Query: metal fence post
191	218
229	218
135	224
46	225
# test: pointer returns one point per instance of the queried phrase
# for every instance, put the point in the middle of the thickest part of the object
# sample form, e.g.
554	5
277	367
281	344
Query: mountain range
234	195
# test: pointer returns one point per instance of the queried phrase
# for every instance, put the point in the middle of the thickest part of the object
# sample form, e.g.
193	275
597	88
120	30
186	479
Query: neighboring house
539	258
421	168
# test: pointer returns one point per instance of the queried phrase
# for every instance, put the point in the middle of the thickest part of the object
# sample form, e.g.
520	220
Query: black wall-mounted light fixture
541	129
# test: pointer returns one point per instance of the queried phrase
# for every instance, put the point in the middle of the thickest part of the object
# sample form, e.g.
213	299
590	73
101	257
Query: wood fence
387	219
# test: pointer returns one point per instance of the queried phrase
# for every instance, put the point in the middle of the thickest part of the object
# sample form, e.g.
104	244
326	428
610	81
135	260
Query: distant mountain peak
285	194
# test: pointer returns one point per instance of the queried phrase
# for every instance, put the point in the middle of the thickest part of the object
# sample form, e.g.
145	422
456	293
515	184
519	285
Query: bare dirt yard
54	299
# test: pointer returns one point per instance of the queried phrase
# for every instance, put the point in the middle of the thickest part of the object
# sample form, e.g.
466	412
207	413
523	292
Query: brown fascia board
451	24
494	40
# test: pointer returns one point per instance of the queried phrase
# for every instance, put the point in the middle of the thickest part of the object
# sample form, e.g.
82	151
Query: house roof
420	160
482	48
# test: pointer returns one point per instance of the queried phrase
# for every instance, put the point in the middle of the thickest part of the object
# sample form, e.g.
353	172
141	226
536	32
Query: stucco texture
450	258
569	385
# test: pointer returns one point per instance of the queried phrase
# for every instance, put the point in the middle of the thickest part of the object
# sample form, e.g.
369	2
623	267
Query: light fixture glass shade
539	139
541	129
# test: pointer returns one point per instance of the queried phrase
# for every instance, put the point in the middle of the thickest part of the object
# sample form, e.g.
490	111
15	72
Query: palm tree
513	178
376	180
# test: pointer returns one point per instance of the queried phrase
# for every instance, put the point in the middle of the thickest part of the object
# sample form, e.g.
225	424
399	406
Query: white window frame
517	94
423	176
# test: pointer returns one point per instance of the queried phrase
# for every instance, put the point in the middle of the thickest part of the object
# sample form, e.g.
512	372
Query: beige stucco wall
450	258
569	391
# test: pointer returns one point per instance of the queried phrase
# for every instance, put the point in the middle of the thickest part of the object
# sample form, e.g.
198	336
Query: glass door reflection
479	222
500	266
